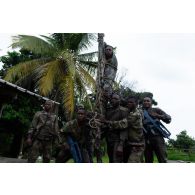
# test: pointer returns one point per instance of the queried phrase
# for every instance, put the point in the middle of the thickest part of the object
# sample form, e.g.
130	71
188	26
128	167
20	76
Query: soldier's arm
57	132
161	115
66	129
132	119
63	133
33	124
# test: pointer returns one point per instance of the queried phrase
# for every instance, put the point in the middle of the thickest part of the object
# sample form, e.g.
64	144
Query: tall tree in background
61	70
13	58
183	141
127	88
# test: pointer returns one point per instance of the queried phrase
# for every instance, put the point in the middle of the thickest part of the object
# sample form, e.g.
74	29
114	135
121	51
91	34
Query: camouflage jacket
44	124
80	133
161	116
116	114
133	122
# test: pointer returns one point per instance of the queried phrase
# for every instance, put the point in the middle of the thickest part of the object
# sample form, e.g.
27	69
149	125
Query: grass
173	154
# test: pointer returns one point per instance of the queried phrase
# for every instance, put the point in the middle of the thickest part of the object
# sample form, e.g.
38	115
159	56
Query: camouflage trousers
155	144
133	154
40	147
113	155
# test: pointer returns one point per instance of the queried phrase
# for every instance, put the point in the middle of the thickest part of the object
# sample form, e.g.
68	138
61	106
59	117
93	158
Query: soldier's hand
119	150
65	146
103	120
29	141
155	115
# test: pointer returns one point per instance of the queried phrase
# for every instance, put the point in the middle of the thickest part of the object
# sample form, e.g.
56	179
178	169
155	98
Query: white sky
160	63
163	64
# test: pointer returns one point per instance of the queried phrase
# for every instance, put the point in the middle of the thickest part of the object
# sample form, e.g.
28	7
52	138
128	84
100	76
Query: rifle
155	125
75	150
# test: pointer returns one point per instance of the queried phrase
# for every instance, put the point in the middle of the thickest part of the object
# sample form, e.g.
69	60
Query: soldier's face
147	102
47	106
131	104
108	51
115	101
81	115
106	93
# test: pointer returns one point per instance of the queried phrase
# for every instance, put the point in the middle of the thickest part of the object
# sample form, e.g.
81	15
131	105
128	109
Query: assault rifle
155	125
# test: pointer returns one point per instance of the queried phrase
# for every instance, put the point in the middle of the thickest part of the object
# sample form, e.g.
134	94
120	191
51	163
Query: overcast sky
159	63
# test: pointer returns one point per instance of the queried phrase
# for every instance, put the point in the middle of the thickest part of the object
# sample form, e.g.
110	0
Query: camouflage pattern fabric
155	144
134	124
40	147
83	135
114	137
44	129
154	141
46	124
110	73
134	147
133	154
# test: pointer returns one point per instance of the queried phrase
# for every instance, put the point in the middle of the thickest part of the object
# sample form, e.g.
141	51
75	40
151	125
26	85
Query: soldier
42	132
105	83
154	140
134	146
110	69
115	138
80	131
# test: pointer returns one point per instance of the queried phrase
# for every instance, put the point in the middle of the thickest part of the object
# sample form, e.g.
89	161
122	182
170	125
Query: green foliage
125	92
5	142
13	58
21	111
183	141
23	108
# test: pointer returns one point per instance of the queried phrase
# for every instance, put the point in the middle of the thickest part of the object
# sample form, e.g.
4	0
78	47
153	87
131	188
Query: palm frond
86	77
62	40
90	66
88	56
47	77
76	41
68	59
80	87
24	69
67	91
34	44
50	40
86	41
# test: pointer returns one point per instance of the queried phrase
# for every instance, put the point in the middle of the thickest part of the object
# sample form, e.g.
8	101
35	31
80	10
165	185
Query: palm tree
61	69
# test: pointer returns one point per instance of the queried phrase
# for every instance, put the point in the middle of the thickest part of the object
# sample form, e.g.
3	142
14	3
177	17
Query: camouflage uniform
110	70
154	141
134	147
82	134
115	138
103	95
43	130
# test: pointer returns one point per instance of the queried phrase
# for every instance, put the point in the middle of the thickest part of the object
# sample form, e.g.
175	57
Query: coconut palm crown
61	70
